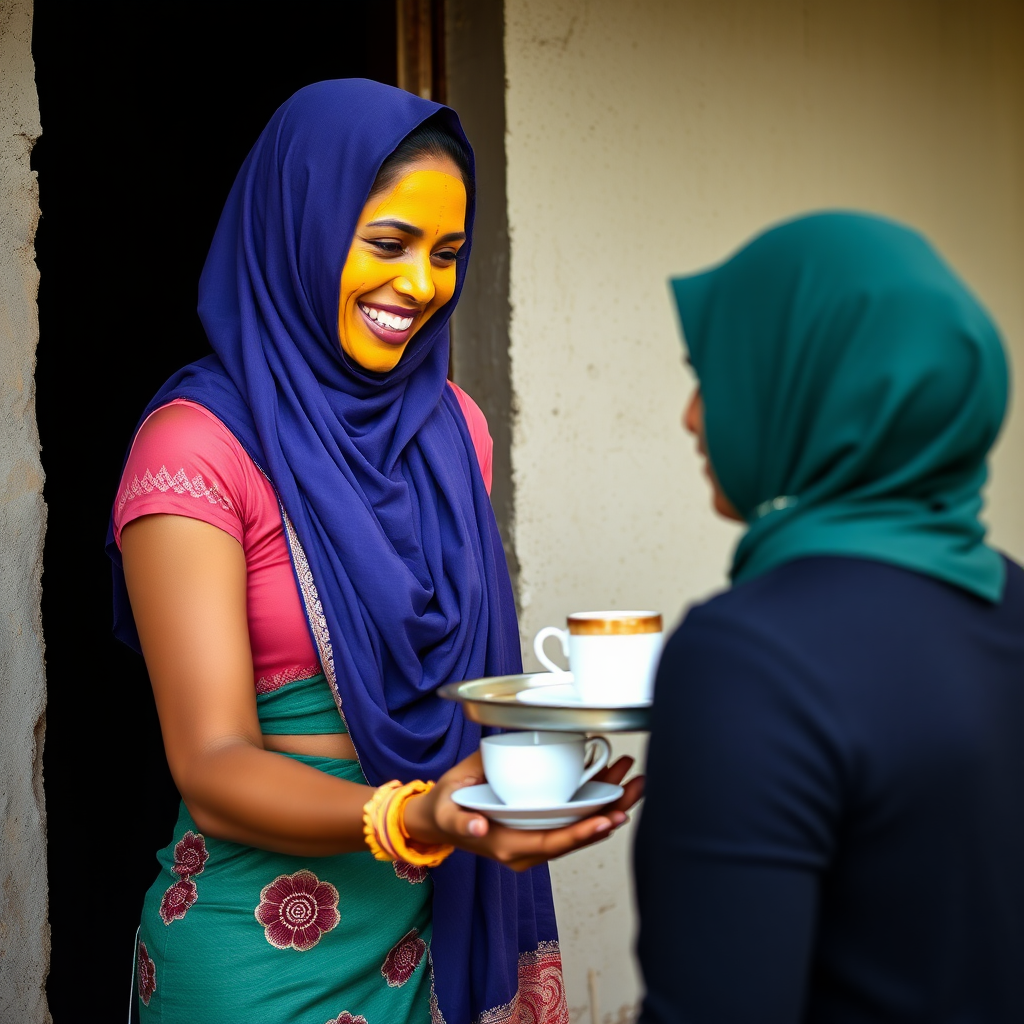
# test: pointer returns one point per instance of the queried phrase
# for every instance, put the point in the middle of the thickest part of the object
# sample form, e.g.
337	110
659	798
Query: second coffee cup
613	655
541	769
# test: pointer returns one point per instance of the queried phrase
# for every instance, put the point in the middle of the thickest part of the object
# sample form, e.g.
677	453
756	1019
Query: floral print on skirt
243	936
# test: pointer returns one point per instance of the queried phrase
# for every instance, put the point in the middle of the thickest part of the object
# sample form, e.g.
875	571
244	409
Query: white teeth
395	323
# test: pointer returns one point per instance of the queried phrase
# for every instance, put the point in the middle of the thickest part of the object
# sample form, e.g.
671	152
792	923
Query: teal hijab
852	389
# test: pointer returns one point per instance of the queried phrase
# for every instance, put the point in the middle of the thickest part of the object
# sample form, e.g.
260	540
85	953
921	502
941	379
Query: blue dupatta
393	538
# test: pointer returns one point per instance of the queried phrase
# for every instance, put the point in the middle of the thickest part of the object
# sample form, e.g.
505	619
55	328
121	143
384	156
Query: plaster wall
647	138
24	935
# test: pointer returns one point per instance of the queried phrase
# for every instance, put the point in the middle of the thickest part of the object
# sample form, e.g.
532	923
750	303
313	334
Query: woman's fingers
476	833
449	817
456	822
559	842
468	772
616	771
521	849
632	792
466	823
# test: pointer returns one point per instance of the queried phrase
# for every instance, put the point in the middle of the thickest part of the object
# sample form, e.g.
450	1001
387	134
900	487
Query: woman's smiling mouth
392	324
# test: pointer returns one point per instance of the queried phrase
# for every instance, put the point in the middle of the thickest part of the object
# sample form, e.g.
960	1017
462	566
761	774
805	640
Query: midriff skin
337	745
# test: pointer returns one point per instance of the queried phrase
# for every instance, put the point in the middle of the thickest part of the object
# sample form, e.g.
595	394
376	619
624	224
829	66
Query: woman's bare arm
187	584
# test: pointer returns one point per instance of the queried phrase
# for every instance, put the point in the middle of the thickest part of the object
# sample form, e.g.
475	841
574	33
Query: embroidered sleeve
184	462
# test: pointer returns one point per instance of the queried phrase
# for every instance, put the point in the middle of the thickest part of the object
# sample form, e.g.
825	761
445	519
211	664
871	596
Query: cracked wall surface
24	940
647	138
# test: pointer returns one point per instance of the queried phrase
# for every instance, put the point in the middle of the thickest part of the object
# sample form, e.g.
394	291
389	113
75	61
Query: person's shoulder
726	625
775	618
182	423
479	433
745	650
1014	577
473	413
807	590
183	450
187	433
739	608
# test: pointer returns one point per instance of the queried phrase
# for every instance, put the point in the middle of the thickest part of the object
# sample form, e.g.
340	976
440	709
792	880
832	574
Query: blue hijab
394	542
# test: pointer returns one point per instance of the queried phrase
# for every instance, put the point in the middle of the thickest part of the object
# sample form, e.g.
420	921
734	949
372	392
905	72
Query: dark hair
431	138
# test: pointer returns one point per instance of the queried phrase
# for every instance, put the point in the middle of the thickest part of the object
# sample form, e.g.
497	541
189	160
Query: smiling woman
305	551
401	267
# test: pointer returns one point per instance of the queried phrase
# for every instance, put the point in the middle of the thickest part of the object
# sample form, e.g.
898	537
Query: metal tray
492	701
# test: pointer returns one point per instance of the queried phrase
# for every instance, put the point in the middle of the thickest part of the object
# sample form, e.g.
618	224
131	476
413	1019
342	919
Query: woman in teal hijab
834	825
852	388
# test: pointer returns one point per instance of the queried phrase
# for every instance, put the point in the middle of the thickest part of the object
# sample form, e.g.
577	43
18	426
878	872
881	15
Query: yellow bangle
384	826
373	819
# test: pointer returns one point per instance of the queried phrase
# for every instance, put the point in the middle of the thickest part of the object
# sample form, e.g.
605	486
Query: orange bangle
384	826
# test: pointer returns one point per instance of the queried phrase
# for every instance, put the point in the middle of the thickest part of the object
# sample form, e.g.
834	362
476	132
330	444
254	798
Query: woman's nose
416	282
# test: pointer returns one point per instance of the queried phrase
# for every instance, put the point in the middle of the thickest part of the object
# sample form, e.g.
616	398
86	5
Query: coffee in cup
613	655
541	769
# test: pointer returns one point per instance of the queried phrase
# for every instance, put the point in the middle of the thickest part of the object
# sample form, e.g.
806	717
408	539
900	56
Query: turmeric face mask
401	266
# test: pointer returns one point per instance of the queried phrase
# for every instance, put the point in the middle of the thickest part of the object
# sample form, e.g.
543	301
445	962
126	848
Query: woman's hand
435	818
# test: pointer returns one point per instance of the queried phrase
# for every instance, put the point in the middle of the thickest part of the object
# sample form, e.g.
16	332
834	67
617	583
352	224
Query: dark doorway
148	111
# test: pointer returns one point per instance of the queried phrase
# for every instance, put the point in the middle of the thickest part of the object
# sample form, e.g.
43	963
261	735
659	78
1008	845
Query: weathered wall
24	938
647	138
474	47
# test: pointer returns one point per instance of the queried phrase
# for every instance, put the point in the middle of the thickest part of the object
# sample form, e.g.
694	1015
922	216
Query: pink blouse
186	462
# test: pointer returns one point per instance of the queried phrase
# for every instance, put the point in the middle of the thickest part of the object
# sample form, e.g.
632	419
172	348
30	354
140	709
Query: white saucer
565	696
587	800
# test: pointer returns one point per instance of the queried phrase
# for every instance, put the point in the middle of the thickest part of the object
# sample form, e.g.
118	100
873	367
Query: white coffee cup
541	769
613	655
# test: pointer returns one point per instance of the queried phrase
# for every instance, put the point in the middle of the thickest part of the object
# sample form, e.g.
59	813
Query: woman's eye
387	245
446	256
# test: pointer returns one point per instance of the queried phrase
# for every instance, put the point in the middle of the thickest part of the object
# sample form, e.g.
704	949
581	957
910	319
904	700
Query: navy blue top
834	824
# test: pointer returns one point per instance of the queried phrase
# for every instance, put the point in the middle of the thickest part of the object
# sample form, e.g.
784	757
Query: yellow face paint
401	266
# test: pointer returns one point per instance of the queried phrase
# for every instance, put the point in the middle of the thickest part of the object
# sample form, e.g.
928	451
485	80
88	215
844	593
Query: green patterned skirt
236	935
